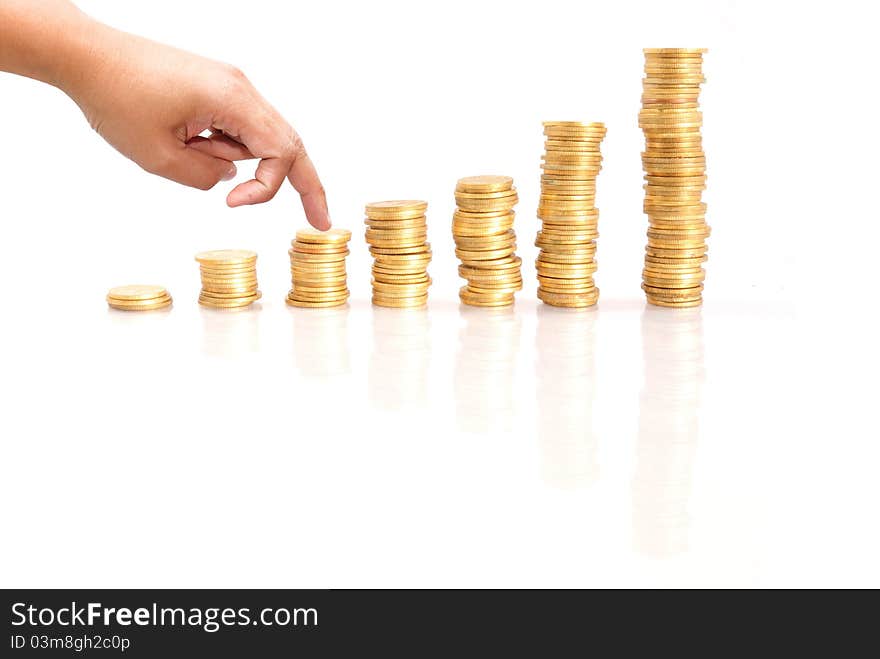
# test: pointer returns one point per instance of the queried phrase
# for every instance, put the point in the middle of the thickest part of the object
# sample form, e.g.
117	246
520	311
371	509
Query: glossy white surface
734	445
371	447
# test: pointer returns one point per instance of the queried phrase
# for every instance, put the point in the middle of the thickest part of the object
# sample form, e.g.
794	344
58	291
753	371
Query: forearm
48	40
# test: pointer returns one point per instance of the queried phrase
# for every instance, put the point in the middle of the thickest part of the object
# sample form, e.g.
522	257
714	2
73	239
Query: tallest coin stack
675	171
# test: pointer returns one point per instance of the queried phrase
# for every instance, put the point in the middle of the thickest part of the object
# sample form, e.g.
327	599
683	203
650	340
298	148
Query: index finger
304	178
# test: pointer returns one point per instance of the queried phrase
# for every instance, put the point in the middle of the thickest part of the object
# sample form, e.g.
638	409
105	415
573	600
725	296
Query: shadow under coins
485	365
229	333
566	390
398	369
320	342
674	371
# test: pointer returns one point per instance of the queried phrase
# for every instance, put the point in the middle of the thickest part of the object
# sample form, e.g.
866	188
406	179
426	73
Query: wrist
80	55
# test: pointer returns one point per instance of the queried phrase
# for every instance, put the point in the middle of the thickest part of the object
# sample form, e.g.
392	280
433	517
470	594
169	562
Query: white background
623	446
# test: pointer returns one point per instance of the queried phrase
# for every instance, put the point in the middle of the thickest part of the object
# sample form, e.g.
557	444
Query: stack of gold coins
397	233
229	278
138	297
317	268
569	217
675	171
485	241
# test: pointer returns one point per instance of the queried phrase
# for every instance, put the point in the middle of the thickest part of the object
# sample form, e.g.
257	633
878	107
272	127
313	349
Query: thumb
198	170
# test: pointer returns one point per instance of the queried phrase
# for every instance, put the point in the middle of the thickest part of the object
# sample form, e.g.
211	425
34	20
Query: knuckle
296	147
235	76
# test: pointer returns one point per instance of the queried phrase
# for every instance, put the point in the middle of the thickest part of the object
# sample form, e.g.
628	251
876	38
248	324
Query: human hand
152	102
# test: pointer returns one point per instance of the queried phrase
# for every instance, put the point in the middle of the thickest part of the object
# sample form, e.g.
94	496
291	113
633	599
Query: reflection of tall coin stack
675	171
566	389
485	368
569	217
398	373
668	429
485	240
397	232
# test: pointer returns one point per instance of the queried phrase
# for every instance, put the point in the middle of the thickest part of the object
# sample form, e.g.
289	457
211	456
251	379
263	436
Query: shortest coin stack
485	241
397	233
229	278
138	297
317	268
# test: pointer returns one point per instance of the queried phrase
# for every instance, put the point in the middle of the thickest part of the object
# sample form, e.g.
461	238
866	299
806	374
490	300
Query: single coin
310	288
563	300
397	205
150	305
302	296
137	292
315	305
419	249
399	303
226	256
484	183
466	293
675	305
228	304
332	236
468	255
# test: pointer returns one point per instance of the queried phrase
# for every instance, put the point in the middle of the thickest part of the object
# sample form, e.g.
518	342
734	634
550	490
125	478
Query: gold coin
564	300
297	247
397	205
401	278
216	273
404	260
322	257
229	304
136	292
315	305
494	287
226	257
676	305
315	236
466	293
152	305
416	250
302	296
484	183
383	300
395	289
303	287
487	255
475	205
670	292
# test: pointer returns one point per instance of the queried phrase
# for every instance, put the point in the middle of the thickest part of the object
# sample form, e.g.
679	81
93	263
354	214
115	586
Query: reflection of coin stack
569	217
317	268
485	368
485	240
668	429
566	389
321	342
675	171
229	278
398	374
397	233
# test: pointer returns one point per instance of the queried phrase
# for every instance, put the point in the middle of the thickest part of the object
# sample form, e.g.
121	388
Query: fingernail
230	174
